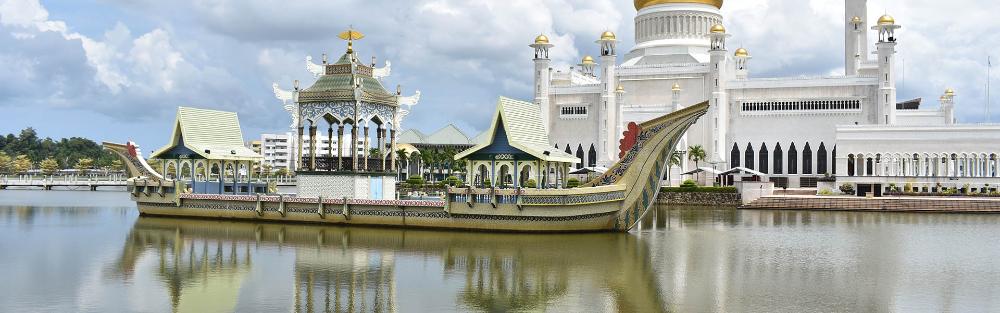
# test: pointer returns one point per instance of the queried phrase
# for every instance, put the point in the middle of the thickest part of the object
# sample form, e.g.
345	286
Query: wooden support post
319	208
281	205
260	207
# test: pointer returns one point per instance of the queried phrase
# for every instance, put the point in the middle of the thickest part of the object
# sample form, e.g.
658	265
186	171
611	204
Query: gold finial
742	52
588	60
620	89
351	35
856	20
949	92
608	35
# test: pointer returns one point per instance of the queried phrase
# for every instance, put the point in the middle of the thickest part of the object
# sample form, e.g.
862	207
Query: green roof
208	134
525	131
338	84
448	135
411	136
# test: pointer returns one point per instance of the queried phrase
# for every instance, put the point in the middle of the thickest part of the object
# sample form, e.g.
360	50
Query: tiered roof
522	122
206	134
337	84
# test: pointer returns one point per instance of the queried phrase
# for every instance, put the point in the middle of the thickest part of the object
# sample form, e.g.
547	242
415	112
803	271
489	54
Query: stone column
354	146
329	148
340	145
312	148
392	154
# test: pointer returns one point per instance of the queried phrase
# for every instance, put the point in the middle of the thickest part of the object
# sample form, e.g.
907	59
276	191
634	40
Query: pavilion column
312	148
340	146
516	172
367	152
392	153
298	149
194	178
380	134
222	175
354	146
329	148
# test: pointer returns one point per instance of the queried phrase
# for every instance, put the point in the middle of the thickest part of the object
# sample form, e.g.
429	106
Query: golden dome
718	29
588	60
886	20
640	4
856	20
620	89
741	52
677	87
608	35
949	92
542	39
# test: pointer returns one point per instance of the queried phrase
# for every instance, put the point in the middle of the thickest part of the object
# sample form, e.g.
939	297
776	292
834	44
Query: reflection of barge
613	201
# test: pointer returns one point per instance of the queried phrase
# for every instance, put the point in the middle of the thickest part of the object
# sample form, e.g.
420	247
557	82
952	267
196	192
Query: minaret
855	36
718	103
742	58
587	65
886	50
948	106
609	106
542	77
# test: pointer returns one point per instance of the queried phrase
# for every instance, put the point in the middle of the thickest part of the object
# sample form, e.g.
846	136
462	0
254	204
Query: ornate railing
346	164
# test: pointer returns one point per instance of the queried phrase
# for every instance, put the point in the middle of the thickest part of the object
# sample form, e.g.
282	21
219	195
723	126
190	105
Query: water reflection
203	263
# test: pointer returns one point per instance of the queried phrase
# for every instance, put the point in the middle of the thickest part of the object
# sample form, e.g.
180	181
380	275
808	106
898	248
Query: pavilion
209	142
516	139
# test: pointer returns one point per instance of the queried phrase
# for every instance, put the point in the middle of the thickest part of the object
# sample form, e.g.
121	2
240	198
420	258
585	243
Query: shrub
847	188
452	181
415	181
689	184
531	183
699	189
908	187
825	192
573	183
892	187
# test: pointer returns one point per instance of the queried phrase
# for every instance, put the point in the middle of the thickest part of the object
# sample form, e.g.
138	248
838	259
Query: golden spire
742	52
856	20
588	60
351	35
718	29
608	35
677	87
949	92
620	89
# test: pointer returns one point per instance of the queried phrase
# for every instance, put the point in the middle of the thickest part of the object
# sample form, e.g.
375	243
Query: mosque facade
786	128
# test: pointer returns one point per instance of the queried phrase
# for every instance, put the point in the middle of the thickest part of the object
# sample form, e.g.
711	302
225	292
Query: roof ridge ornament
350	35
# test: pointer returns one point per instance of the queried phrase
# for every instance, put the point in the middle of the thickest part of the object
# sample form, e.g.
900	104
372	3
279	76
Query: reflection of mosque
353	269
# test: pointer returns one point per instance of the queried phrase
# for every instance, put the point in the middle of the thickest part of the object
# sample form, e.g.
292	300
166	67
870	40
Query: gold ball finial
718	29
588	60
742	52
886	20
542	39
608	35
856	20
620	89
949	92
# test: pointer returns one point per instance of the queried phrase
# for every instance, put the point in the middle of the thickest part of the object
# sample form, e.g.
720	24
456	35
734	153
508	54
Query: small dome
620	89
718	29
886	20
608	35
949	92
588	60
741	52
856	20
677	87
542	39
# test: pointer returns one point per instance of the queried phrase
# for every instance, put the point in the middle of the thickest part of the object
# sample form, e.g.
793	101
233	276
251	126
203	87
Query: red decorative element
131	149
629	138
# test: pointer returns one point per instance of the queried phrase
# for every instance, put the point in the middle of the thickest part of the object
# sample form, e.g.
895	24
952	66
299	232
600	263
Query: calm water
71	251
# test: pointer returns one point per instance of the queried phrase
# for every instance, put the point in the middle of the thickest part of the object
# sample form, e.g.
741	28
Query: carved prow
135	164
644	165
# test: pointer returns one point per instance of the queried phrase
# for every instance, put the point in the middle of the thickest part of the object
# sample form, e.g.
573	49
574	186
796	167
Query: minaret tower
948	106
683	144
855	35
587	65
886	50
718	103
609	104
542	77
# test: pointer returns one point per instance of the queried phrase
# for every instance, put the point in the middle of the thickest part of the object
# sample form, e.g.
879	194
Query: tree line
25	151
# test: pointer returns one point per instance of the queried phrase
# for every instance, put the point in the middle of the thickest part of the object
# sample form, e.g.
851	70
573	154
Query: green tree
6	163
281	172
22	164
697	154
117	165
267	169
83	164
49	166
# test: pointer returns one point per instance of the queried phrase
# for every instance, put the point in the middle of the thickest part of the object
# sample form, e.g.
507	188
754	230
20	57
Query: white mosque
795	130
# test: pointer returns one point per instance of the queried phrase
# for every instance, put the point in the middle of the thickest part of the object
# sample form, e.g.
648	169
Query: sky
116	70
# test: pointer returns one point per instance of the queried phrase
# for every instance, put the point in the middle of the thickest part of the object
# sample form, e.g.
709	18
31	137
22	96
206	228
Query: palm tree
427	159
697	154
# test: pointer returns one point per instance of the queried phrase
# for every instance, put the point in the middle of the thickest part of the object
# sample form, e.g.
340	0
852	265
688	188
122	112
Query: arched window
779	159
592	156
734	157
568	150
579	154
793	156
762	163
748	162
821	160
850	165
869	167
834	158
807	160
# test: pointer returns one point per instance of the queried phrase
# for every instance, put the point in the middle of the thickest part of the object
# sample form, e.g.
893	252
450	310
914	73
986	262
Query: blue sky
117	69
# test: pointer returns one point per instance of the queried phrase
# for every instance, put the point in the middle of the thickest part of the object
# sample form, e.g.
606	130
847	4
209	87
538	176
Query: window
734	157
749	161
779	159
821	162
763	159
793	155
807	161
812	105
576	111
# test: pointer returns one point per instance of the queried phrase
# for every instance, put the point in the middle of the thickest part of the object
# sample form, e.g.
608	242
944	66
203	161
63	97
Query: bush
908	187
699	189
825	192
573	183
487	182
415	181
531	183
689	183
452	181
847	188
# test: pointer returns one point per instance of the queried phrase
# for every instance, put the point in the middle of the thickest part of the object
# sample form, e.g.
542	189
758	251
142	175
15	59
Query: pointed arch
793	160
734	157
807	160
821	161
748	162
833	158
779	159
579	154
568	150
850	164
592	156
764	159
